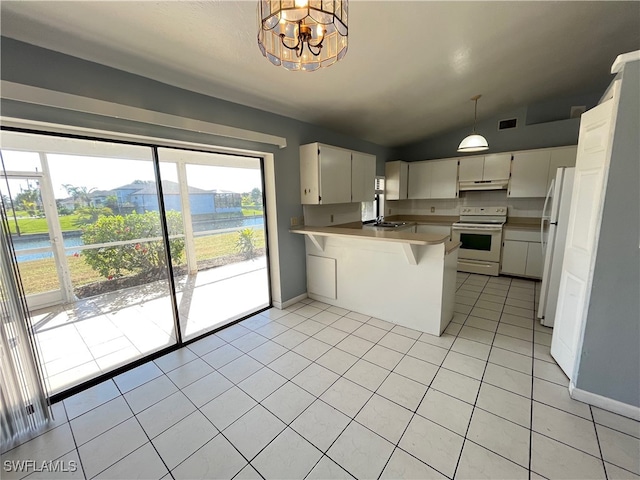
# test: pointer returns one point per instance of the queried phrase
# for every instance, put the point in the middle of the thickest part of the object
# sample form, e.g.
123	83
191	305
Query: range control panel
484	211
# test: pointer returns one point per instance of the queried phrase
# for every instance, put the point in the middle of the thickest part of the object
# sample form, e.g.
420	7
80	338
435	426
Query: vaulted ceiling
409	73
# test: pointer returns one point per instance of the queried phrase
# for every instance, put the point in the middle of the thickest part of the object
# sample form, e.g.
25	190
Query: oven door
479	241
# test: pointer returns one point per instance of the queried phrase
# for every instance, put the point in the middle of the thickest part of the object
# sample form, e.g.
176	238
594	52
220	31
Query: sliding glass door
92	221
224	276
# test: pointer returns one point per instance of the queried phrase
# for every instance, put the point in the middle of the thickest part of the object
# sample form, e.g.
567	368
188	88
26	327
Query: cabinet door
497	166
335	175
309	174
514	257
420	180
561	157
529	172
395	182
534	260
444	178
363	177
471	169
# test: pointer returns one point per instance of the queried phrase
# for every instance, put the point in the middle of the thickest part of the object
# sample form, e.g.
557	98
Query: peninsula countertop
355	229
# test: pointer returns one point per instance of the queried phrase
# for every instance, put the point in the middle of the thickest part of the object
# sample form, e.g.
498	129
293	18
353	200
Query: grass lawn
250	212
30	225
40	275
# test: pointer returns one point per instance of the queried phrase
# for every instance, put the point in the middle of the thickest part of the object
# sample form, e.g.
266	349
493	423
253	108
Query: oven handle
483	227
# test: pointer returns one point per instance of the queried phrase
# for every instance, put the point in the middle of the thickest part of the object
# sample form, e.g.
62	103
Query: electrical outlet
433	209
294	221
331	218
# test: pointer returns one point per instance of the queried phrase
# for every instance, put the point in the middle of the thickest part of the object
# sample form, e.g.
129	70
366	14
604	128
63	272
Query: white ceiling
409	73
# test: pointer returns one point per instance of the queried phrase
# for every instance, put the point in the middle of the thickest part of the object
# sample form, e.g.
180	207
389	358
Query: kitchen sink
389	225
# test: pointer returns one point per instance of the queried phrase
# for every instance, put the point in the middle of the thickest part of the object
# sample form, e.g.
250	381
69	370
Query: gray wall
545	124
30	65
610	357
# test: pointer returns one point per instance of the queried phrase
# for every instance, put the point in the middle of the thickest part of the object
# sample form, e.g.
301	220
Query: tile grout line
533	338
595	428
464	440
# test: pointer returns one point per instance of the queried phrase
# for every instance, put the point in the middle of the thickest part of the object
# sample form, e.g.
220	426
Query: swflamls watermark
30	466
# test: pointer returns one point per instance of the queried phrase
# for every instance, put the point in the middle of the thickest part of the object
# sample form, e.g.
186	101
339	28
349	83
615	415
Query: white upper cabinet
561	157
497	166
326	175
433	179
420	180
444	178
529	173
471	169
485	168
396	180
363	174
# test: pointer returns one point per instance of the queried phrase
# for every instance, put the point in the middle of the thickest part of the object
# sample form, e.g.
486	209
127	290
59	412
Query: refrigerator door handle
544	210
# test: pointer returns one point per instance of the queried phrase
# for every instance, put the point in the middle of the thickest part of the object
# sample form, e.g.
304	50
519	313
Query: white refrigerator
553	227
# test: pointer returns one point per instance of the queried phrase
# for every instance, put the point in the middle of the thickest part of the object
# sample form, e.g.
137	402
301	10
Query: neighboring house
143	197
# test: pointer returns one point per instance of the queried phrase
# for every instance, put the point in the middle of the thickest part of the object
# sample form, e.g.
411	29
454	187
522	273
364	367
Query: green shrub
119	260
246	243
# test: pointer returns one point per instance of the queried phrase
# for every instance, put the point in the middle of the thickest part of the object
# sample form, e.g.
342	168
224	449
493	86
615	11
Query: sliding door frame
180	342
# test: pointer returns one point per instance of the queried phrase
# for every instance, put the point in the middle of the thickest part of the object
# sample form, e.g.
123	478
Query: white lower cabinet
520	255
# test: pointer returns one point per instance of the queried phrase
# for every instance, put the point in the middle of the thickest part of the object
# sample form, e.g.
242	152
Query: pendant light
303	35
474	142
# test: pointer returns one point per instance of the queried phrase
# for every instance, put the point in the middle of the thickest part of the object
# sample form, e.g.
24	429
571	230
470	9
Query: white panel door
529	171
444	178
363	177
587	199
420	180
335	175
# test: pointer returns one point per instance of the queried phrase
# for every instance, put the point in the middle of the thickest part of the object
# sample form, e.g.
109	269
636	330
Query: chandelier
303	35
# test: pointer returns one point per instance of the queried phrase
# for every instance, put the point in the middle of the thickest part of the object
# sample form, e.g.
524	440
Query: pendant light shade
474	142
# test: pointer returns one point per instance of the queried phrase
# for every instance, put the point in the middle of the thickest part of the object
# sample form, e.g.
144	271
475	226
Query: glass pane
476	241
30	236
116	304
224	275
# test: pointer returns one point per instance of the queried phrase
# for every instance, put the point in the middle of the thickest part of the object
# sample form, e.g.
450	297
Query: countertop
355	230
523	223
424	219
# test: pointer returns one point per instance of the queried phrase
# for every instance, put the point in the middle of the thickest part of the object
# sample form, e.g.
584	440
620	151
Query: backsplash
517	207
336	214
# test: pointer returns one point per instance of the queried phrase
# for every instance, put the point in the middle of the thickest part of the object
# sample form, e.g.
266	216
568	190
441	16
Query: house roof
410	71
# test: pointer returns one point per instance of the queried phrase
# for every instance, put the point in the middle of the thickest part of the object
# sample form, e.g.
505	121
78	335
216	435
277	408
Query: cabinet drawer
532	235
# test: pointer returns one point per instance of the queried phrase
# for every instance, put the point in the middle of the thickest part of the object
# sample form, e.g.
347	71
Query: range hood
483	185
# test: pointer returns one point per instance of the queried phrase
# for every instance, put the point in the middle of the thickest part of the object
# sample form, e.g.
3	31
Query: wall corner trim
66	101
605	403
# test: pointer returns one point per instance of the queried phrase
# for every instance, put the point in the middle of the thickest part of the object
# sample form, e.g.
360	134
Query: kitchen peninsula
399	276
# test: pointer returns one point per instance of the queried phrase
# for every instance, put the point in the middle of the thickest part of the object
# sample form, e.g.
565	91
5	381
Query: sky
106	174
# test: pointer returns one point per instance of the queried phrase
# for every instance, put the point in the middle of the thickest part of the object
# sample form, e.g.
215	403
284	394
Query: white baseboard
605	403
291	301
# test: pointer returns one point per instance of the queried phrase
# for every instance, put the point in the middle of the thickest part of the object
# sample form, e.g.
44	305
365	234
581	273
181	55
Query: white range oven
480	232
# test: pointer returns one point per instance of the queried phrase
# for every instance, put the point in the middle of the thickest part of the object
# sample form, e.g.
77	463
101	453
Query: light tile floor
319	392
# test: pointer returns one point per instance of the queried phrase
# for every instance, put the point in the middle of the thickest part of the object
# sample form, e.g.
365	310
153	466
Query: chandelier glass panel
303	35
